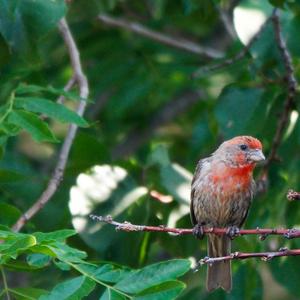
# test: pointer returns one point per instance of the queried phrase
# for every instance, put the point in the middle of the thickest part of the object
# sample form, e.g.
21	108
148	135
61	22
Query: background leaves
147	124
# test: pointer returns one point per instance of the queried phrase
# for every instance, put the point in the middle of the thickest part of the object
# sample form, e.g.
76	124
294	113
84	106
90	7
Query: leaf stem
21	294
97	280
10	107
5	283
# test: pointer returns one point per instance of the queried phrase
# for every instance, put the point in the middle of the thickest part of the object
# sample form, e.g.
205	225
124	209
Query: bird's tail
219	273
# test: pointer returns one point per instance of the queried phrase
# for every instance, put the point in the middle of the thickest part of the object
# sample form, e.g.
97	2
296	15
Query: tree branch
291	89
226	18
263	233
68	86
266	256
292	195
126	226
174	42
232	60
57	175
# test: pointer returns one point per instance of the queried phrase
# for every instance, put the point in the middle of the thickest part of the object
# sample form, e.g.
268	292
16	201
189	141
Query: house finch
222	190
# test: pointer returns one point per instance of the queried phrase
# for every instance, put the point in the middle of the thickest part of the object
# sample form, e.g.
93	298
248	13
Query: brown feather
219	274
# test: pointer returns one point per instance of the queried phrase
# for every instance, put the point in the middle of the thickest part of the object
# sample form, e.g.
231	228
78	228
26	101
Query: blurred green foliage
147	123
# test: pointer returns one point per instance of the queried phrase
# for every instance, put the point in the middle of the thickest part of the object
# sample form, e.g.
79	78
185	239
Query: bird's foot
198	231
232	232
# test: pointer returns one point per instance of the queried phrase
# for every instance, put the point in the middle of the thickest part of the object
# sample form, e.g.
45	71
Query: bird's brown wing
248	201
196	175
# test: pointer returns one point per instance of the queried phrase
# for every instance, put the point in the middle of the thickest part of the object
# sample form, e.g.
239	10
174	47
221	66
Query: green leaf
10	176
73	289
8	214
292	30
113	275
51	109
153	275
159	155
263	50
19	266
235	109
58	235
106	273
294	6
165	291
6	233
9	129
41	16
110	294
21	21
287	266
27	293
246	278
20	244
35	89
30	122
62	266
66	253
277	3
38	260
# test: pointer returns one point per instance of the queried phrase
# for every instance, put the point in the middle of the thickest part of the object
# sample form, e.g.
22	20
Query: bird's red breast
227	182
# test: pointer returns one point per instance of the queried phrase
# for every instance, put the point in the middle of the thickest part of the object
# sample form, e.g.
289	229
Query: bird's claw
198	231
232	232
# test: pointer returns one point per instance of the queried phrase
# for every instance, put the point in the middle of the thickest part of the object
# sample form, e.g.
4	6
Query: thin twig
57	175
226	19
292	195
67	87
291	89
232	60
266	256
126	226
174	42
5	286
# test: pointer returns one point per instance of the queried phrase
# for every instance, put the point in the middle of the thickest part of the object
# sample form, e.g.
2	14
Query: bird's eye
243	147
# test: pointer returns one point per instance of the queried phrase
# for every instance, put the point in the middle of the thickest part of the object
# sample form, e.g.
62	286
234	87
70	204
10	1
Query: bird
221	194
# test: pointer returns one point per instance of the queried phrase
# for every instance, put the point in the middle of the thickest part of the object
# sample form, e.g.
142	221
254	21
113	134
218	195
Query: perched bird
222	190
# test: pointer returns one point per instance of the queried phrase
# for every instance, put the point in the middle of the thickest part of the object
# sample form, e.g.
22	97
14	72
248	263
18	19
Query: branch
226	18
225	10
58	172
68	86
174	42
126	226
232	60
266	256
292	195
291	90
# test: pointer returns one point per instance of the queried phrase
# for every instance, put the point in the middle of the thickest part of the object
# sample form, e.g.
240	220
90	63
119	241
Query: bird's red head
241	151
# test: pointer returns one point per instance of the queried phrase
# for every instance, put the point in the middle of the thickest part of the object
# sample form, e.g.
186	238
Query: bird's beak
256	155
